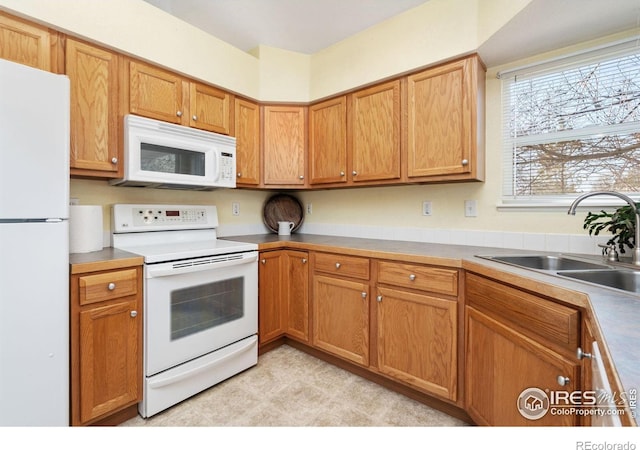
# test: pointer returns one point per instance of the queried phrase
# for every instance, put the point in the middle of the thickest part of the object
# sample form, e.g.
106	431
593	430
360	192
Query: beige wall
421	37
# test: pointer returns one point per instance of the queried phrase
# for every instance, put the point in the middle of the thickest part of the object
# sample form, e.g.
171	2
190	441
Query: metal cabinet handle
301	177
263	261
338	265
195	118
111	286
412	277
239	174
342	173
364	295
583	355
179	113
133	313
562	380
465	162
304	260
354	173
379	298
114	160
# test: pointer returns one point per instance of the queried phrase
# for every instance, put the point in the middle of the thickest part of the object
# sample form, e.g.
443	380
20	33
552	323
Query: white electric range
200	299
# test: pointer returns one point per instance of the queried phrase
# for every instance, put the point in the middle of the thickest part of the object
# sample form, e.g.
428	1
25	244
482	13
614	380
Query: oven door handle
167	269
189	373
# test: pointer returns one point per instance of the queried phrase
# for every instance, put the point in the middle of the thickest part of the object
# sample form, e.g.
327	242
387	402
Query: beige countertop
615	314
106	259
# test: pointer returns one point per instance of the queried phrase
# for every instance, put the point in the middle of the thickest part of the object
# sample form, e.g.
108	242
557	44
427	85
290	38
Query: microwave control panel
227	167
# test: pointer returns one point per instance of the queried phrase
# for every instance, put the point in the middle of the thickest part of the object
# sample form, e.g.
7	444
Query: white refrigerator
34	247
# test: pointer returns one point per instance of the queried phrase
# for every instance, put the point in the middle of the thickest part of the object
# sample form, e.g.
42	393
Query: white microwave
163	155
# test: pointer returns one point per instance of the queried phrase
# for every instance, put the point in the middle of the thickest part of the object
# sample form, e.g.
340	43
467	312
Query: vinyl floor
289	388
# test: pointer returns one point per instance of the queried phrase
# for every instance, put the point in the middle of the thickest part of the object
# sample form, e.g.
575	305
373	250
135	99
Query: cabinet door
95	147
298	295
441	120
210	109
375	133
328	141
24	43
272	303
417	340
284	145
109	369
247	128
155	93
341	318
501	364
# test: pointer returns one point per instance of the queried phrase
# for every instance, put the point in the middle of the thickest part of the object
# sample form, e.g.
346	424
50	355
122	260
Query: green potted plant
620	223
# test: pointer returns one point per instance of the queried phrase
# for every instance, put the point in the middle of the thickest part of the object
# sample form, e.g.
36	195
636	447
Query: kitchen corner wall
436	30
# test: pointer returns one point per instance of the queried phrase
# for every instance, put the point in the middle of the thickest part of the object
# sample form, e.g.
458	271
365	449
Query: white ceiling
304	26
307	26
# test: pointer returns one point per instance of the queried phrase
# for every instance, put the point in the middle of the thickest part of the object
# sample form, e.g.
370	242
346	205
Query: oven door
196	306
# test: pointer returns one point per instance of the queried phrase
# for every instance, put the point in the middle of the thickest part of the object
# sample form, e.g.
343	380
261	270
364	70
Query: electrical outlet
235	208
74	201
309	208
471	208
426	208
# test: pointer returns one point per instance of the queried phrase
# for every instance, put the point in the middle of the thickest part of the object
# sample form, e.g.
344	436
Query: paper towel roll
85	228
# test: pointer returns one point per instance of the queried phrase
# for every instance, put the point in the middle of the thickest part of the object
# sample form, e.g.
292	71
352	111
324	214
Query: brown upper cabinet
445	122
95	136
328	141
27	43
156	93
247	124
283	146
374	133
355	139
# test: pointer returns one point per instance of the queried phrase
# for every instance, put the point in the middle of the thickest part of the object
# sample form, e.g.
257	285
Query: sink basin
546	262
627	280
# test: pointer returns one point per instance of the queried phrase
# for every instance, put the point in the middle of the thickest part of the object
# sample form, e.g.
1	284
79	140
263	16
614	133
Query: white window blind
572	125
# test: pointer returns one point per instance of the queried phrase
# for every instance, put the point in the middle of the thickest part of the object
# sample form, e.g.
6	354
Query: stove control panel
160	217
133	218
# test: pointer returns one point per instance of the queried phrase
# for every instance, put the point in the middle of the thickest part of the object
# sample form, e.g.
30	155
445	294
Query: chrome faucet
629	200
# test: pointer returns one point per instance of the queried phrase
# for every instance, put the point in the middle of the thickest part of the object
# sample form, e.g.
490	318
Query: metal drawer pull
563	381
337	265
304	260
412	277
364	295
111	286
134	313
179	113
263	261
379	298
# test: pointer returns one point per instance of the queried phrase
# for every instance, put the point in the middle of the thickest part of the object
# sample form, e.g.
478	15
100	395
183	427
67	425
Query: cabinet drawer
537	315
349	266
425	278
107	286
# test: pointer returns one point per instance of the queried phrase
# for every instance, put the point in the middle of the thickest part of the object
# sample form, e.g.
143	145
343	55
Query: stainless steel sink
546	262
627	280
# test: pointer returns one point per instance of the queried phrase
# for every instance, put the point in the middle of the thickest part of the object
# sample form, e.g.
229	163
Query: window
572	125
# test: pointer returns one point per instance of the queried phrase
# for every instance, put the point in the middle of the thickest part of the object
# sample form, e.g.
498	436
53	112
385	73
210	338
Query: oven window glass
157	158
198	308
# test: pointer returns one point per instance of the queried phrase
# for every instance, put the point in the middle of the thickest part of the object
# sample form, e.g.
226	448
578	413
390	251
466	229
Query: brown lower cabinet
106	342
283	299
517	341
